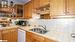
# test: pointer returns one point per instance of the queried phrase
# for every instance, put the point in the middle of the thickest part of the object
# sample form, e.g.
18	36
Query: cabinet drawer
9	30
49	40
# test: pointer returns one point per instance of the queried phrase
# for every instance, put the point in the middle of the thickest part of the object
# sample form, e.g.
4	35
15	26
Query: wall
60	29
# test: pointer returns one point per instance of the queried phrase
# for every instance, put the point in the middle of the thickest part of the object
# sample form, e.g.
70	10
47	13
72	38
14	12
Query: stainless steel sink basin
39	30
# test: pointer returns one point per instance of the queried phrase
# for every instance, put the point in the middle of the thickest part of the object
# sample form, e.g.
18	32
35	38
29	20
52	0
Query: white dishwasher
21	35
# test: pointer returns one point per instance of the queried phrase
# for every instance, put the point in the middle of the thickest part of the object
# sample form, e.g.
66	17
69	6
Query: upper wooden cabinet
36	3
40	3
57	8
28	10
19	10
44	2
62	8
70	5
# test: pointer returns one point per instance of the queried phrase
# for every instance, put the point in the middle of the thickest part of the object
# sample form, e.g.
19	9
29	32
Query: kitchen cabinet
11	35
28	10
40	3
36	4
44	2
57	8
42	8
30	37
49	40
62	8
70	7
19	10
0	34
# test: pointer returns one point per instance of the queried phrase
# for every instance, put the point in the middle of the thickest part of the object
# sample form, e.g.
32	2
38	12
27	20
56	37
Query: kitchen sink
39	30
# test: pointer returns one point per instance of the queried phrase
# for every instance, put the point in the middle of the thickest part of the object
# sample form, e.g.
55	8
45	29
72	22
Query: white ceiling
19	1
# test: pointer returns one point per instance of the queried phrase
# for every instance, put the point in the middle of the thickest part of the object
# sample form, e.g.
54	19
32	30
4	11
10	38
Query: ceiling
19	1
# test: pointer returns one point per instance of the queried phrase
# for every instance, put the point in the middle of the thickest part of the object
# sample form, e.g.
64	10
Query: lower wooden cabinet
31	37
49	40
0	35
11	35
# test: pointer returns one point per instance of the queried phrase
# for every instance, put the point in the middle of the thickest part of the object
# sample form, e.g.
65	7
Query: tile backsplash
54	24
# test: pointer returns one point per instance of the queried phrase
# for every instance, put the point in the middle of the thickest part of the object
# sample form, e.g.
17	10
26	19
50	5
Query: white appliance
21	35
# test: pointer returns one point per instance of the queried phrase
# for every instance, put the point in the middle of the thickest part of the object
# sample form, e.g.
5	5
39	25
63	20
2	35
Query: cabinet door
19	10
0	35
57	8
49	40
36	3
70	7
25	11
37	38
28	10
29	37
11	35
44	2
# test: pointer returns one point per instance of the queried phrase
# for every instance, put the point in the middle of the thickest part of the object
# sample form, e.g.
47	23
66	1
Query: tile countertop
26	28
47	35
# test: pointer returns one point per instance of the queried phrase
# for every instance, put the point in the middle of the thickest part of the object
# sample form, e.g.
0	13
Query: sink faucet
43	26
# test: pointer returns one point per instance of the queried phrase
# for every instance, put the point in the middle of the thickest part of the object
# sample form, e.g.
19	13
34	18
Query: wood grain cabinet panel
44	2
28	10
11	35
57	7
62	8
49	40
0	34
70	7
19	9
36	4
30	37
